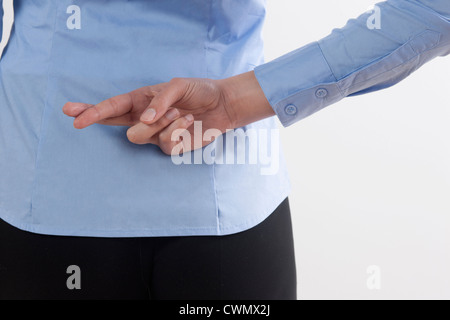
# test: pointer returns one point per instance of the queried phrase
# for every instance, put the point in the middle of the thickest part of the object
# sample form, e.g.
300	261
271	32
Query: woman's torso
59	180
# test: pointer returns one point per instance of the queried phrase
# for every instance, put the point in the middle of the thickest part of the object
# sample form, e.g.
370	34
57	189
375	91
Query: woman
109	199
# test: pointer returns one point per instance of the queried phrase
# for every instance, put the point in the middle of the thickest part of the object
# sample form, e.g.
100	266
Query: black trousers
257	264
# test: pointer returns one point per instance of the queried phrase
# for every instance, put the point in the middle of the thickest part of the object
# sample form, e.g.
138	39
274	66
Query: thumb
171	94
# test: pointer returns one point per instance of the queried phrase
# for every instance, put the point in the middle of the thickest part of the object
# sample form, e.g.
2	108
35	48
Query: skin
158	114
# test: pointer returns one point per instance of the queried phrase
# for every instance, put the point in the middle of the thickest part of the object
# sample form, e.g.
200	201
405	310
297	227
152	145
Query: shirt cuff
298	84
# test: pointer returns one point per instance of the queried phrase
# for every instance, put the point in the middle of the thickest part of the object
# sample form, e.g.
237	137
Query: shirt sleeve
1	19
373	52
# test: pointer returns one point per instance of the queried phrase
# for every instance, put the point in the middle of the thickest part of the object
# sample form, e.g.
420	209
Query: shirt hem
163	232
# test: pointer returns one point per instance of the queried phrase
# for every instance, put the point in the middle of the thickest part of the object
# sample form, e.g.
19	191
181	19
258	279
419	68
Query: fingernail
148	115
189	117
172	114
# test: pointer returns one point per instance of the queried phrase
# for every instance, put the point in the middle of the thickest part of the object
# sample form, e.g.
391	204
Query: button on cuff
321	93
290	109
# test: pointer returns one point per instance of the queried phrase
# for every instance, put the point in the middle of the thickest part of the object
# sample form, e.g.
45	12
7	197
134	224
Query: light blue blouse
57	180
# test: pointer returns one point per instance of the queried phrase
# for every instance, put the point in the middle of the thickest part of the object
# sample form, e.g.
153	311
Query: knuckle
178	81
164	137
114	105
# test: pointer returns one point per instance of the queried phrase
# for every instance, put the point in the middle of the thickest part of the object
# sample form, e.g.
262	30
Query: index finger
112	107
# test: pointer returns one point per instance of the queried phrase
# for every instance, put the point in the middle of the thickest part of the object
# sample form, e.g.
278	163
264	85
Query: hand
161	114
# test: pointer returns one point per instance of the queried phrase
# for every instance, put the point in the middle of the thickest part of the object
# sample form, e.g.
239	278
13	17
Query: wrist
245	101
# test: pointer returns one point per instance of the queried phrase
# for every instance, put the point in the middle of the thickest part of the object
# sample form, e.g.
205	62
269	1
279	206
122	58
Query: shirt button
290	109
321	93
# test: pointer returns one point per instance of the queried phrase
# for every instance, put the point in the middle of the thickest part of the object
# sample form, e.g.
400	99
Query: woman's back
59	180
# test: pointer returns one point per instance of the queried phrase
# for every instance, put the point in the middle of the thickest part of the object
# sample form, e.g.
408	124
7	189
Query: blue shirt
57	180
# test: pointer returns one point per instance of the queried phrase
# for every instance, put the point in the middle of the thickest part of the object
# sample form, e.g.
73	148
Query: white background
370	175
